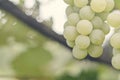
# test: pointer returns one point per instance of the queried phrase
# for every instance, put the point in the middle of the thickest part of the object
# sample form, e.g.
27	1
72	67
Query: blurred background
27	55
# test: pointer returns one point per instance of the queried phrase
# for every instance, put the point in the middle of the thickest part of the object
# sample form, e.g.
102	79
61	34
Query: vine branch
18	13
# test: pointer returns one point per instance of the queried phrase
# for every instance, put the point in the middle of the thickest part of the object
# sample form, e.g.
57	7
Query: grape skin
115	40
73	18
105	28
97	22
97	37
69	10
98	5
86	13
70	2
70	33
79	53
116	61
114	19
116	51
82	41
70	43
95	51
84	27
80	3
103	15
110	5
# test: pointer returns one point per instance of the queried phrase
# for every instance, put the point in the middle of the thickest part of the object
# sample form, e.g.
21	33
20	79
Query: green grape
70	43
95	51
115	40
98	5
82	41
73	18
70	33
76	9
79	53
66	24
86	13
84	27
97	37
105	28
80	3
97	22
69	10
70	2
114	19
110	5
116	51
116	61
103	15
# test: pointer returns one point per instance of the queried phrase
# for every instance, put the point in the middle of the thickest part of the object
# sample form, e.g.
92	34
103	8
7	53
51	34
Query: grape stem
34	24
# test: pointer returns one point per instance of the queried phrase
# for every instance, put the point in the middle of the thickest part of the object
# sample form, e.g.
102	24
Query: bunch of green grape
86	27
114	20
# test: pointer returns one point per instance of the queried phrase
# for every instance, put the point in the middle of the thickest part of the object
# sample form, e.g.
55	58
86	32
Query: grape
70	33
105	28
95	51
70	2
80	3
98	5
76	9
116	61
70	43
84	27
114	19
116	51
86	13
97	37
82	41
73	18
97	22
103	15
66	24
115	40
69	10
110	5
79	53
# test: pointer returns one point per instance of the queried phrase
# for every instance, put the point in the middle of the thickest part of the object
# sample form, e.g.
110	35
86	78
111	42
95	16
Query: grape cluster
86	26
114	20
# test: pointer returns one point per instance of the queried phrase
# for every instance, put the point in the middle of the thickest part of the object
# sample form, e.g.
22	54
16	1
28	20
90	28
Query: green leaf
34	62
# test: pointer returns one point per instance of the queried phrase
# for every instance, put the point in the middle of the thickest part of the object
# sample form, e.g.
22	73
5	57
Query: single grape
116	51
70	43
84	27
80	3
70	2
73	18
86	13
82	41
97	37
105	28
115	40
98	5
116	61
114	19
110	5
103	15
79	53
95	51
97	22
69	10
70	33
